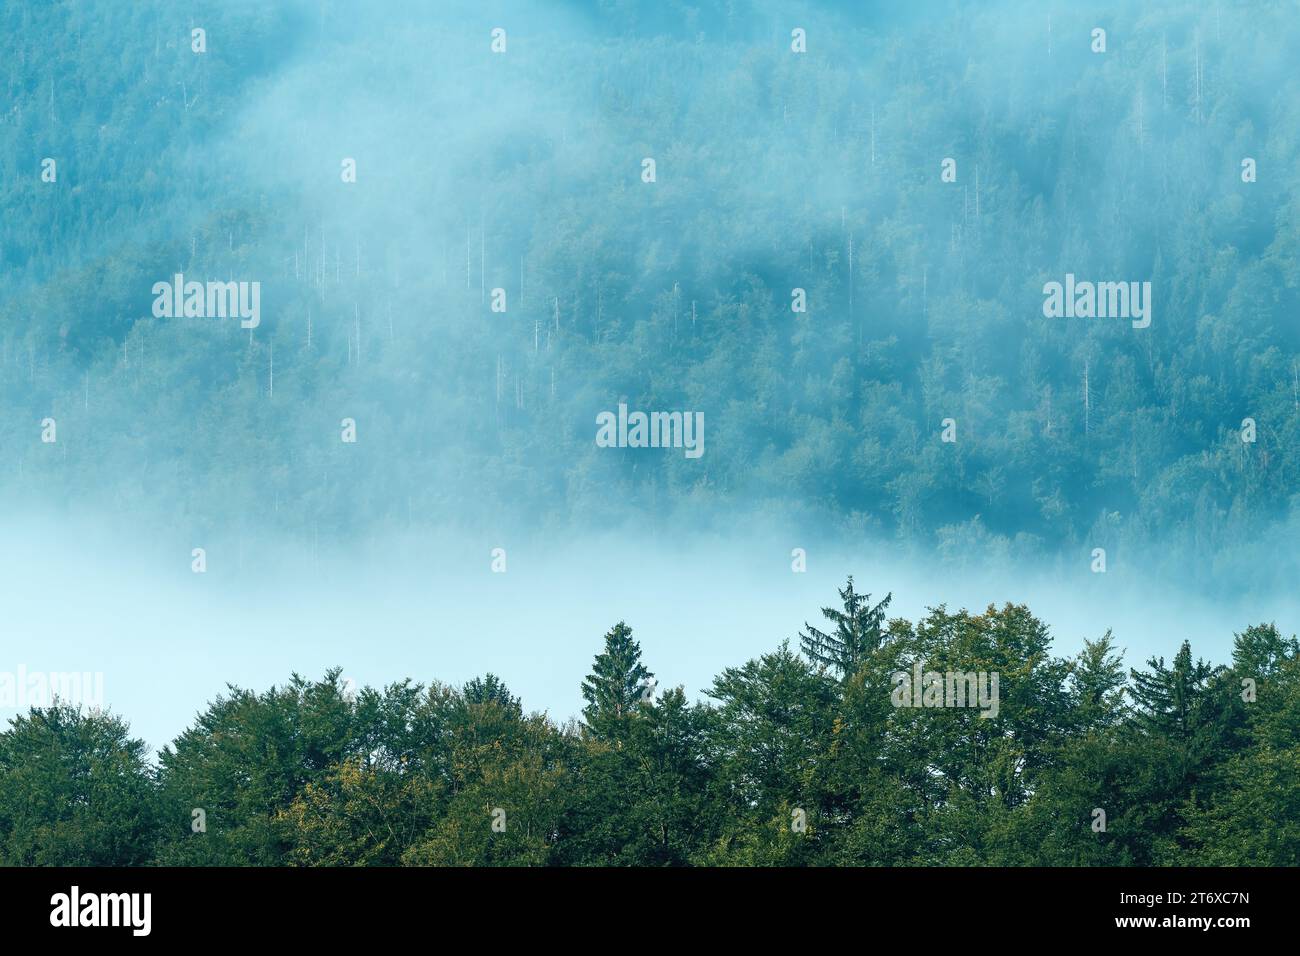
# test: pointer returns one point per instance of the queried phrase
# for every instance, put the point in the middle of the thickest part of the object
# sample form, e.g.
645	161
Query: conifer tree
1170	700
616	682
858	632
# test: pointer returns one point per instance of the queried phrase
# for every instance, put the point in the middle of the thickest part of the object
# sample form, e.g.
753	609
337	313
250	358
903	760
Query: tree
1172	701
480	690
1097	684
373	804
245	761
75	790
645	800
506	782
615	684
857	632
1259	651
769	739
1251	816
1189	720
360	813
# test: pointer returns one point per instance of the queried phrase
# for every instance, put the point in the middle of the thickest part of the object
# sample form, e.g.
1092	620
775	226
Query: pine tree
615	683
857	632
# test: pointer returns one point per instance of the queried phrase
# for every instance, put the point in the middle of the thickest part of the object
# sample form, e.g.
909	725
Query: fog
168	641
523	171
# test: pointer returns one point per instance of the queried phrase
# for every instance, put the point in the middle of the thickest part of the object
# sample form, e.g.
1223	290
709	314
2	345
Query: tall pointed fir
1173	700
616	682
858	631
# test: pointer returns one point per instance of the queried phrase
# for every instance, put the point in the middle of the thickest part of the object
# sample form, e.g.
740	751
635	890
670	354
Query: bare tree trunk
1198	77
1164	73
1087	399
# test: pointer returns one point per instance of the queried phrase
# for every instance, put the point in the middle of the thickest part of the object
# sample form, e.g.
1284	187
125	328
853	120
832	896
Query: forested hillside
826	236
775	170
786	763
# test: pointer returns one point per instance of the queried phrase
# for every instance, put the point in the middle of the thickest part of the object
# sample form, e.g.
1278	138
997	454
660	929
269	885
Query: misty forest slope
775	170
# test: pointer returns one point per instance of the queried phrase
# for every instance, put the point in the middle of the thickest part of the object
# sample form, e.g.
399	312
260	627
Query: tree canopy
786	761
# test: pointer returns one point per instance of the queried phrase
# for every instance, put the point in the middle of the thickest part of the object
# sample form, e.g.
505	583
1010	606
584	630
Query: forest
799	757
447	245
521	172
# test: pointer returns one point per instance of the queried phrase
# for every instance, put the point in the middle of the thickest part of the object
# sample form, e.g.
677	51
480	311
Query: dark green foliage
490	688
245	760
857	633
924	303
75	790
616	684
1173	701
784	765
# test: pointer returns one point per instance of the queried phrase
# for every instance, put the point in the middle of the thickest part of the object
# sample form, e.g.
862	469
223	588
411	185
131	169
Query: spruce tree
1172	700
858	632
615	683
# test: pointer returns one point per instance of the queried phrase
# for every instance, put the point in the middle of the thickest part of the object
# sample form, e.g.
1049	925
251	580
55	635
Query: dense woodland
521	171
1186	767
775	170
